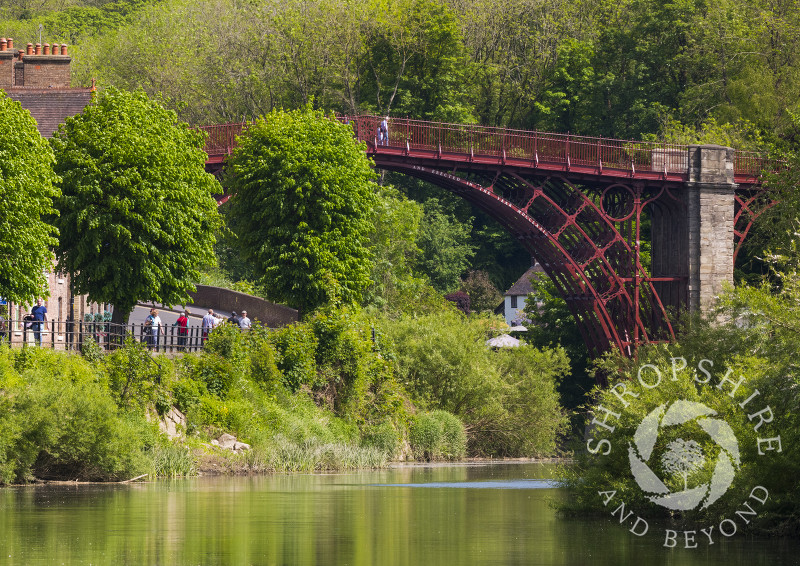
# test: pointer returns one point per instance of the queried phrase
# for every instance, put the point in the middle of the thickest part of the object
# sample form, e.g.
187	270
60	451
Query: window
513	301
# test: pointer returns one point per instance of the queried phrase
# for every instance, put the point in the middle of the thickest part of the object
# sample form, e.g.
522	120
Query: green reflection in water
336	519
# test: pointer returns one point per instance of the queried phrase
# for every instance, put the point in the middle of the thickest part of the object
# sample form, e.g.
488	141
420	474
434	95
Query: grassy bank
338	391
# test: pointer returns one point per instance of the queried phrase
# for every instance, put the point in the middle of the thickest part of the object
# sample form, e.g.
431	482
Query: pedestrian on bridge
383	131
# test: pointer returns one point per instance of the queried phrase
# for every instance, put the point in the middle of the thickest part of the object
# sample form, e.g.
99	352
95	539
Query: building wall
514	315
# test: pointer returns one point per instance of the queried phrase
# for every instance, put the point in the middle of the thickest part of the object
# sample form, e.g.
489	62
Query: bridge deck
475	146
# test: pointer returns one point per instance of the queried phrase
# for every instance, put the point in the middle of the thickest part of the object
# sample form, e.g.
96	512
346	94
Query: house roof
51	106
523	285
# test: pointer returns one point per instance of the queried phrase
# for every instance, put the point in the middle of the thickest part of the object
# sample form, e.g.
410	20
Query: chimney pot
29	49
11	43
63	48
3	44
47	49
37	49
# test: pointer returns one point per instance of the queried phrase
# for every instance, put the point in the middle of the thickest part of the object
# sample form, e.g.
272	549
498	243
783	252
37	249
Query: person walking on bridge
383	131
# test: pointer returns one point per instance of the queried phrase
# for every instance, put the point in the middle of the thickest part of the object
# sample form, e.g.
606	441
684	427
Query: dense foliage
506	399
301	204
27	189
136	215
755	339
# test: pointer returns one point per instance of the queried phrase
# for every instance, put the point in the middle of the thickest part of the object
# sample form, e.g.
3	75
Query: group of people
153	325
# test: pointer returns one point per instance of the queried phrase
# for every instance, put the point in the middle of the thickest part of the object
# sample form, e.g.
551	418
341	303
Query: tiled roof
523	284
51	106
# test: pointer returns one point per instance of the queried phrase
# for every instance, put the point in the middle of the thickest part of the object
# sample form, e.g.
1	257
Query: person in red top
183	329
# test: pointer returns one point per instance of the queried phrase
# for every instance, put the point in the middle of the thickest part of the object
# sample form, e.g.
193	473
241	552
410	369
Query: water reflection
389	517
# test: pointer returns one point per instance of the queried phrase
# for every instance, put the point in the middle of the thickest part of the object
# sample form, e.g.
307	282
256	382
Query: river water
417	515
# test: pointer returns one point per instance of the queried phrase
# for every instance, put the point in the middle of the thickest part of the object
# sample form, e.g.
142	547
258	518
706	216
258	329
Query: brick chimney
45	70
6	64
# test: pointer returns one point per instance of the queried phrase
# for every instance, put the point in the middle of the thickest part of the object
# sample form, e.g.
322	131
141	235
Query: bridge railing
485	141
502	143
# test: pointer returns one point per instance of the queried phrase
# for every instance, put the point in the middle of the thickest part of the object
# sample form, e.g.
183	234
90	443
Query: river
466	514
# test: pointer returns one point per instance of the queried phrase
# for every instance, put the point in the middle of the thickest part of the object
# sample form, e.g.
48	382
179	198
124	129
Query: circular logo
682	457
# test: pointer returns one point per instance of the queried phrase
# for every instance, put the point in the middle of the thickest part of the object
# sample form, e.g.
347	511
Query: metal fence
71	335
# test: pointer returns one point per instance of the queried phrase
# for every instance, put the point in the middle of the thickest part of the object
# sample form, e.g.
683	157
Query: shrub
57	420
437	435
384	437
216	372
133	375
507	400
263	367
296	346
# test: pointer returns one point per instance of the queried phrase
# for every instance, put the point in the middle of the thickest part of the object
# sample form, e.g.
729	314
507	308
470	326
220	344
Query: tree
137	215
483	295
302	207
27	190
445	245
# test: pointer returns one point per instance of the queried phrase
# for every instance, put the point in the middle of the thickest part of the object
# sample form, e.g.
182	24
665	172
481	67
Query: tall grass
171	460
311	455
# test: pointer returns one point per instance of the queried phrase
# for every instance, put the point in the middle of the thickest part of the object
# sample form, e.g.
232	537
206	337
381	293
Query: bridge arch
581	206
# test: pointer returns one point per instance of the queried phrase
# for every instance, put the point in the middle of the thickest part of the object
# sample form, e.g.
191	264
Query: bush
507	400
437	435
133	375
263	367
296	346
384	437
58	421
216	372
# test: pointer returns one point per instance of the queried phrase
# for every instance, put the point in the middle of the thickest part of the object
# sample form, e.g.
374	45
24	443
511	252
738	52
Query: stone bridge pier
695	239
711	210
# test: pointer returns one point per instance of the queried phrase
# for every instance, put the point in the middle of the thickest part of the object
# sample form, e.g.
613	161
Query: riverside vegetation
318	395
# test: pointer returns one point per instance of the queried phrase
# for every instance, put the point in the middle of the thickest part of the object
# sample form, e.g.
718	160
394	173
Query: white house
517	294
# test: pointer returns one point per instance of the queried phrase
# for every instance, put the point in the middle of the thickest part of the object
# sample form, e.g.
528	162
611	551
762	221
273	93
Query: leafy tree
27	190
445	245
396	285
301	207
137	216
507	400
414	62
483	295
552	324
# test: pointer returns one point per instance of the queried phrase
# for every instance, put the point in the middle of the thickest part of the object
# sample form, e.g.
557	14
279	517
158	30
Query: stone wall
268	313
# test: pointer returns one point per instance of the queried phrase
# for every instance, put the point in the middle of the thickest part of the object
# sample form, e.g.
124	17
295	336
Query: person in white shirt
244	322
153	327
209	322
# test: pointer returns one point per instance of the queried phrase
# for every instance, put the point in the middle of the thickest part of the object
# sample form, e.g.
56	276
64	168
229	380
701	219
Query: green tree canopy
137	212
302	207
445	245
27	190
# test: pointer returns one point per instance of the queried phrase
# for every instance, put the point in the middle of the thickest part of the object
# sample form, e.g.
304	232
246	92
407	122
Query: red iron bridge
583	207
